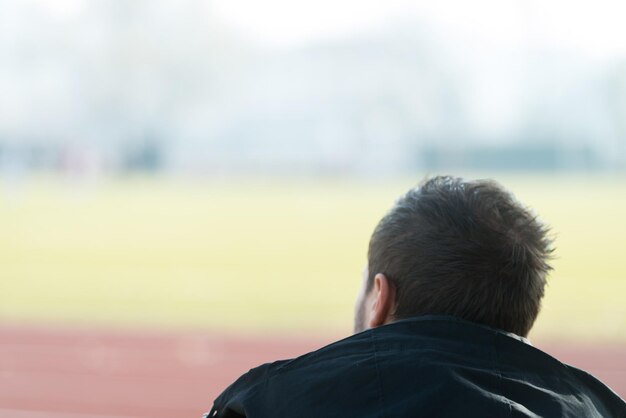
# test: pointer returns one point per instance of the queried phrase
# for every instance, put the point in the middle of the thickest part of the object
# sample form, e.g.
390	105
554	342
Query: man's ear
384	301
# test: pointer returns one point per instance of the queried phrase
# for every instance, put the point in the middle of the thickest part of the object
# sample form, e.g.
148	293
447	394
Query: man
456	273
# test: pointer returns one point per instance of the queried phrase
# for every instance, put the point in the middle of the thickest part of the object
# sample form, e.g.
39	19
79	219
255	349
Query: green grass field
267	256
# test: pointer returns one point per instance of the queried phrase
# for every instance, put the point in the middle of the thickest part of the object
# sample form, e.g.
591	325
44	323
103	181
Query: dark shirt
430	366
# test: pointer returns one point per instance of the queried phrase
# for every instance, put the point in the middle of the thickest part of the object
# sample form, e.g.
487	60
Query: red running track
66	373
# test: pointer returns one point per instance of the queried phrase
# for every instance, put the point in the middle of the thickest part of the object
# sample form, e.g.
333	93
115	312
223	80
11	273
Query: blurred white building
206	87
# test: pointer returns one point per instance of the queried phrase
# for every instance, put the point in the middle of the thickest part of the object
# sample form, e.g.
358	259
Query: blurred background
188	188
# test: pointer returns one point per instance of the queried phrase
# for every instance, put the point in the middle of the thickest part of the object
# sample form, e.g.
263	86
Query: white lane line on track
23	413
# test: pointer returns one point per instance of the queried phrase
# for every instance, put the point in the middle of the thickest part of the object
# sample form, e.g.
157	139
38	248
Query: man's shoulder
351	373
415	363
355	350
350	350
273	386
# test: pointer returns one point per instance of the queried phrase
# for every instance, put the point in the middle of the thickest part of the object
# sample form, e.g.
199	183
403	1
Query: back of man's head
466	249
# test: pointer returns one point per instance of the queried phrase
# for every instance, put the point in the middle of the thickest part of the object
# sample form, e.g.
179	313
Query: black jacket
429	366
